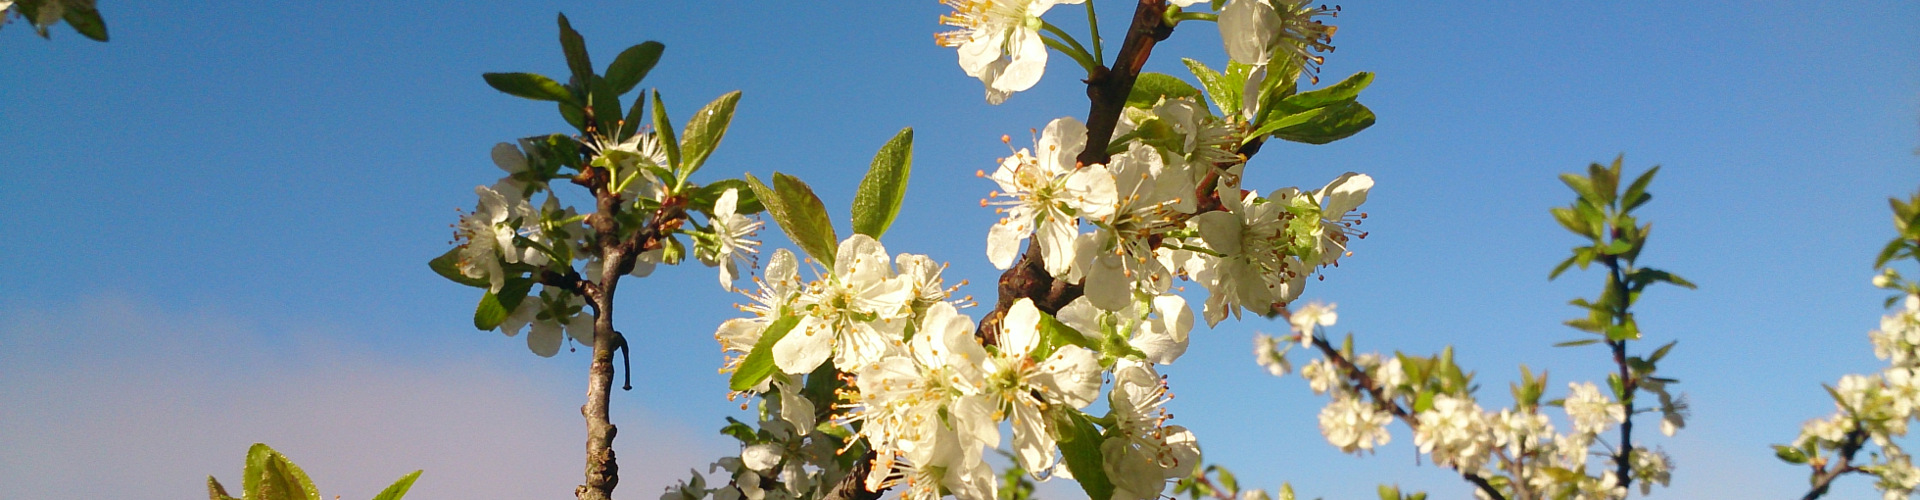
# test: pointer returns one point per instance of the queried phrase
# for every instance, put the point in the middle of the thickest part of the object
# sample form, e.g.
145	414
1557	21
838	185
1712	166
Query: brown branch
1823	478
1107	89
1360	378
1623	464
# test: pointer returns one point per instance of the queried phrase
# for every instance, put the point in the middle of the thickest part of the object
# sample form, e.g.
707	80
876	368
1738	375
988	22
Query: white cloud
115	399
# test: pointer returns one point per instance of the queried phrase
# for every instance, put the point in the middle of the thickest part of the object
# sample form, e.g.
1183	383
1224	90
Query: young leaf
748	202
217	492
1080	444
399	488
632	65
605	105
806	220
1789	454
1335	122
758	364
878	199
575	48
529	85
1220	88
280	479
447	265
86	20
664	127
1150	87
574	116
494	308
1347	90
1581	342
704	131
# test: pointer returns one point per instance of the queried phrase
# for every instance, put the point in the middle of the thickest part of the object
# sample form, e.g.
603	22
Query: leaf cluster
271	476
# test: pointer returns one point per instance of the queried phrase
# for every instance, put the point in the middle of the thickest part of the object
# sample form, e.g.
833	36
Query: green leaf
217	492
1389	492
1584	187
758	364
740	430
605	105
878	200
86	20
399	488
1561	268
748	202
1220	88
1637	192
1054	334
1661	352
1890	252
632	66
1571	220
1581	342
494	308
574	116
803	217
530	86
1334	122
1080	444
631	124
664	126
1150	87
704	131
1789	454
575	48
280	479
1347	90
447	265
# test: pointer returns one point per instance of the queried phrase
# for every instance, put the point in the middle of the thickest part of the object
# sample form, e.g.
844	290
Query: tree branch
1823	478
1360	379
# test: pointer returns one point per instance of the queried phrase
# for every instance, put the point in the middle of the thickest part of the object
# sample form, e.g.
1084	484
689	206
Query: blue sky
218	224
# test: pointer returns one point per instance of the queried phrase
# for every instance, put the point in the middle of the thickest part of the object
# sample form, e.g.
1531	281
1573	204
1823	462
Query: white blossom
1591	411
733	241
1353	425
1454	432
999	42
1046	194
856	316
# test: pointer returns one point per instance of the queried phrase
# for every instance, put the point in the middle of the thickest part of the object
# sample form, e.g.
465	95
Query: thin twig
1823	478
1360	379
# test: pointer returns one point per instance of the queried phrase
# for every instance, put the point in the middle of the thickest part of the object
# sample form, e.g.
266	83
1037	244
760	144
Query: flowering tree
1515	452
869	376
1871	410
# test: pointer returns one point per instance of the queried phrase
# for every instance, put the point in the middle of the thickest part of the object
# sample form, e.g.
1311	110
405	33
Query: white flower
487	236
1047	192
1520	431
1310	316
733	238
1454	431
1650	467
1251	272
521	180
1270	354
1339	199
1118	259
1020	387
552	312
1353	425
1591	411
1256	31
760	457
999	42
779	288
856	316
1321	375
1142	453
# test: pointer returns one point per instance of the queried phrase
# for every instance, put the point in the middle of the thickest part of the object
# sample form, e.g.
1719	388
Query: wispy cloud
111	398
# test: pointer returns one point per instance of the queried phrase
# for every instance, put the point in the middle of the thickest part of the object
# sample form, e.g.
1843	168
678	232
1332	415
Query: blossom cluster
1873	409
1513	448
508	242
1166	210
